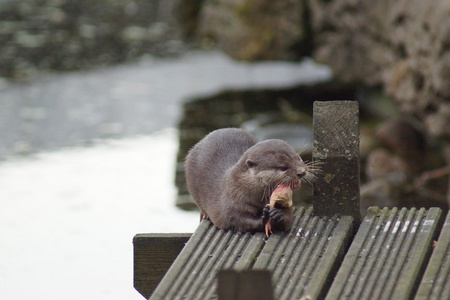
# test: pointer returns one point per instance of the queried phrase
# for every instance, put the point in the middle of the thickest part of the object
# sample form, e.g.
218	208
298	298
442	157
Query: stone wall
402	46
73	34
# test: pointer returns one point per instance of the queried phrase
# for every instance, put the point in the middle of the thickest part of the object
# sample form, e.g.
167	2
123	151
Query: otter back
208	162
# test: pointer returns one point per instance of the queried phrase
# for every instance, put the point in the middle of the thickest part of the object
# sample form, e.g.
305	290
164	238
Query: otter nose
301	173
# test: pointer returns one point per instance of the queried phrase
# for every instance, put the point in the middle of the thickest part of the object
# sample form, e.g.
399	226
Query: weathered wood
304	261
387	258
210	249
244	285
435	282
153	255
336	147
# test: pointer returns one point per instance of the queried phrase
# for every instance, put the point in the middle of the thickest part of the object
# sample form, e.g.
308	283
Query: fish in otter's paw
231	177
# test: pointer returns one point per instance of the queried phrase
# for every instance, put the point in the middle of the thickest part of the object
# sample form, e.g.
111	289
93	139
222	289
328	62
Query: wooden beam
336	146
154	253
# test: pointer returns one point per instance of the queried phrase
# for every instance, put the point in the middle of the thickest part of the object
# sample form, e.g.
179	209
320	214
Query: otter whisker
313	167
268	191
314	163
309	178
289	182
266	194
314	171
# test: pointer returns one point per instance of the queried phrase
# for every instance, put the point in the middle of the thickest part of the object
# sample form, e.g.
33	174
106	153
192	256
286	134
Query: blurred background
101	100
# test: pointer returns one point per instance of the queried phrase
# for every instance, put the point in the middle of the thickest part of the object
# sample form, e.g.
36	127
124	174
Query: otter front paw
266	214
266	220
277	217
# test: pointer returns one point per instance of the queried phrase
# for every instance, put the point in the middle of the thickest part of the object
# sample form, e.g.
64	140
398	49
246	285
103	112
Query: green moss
268	37
244	10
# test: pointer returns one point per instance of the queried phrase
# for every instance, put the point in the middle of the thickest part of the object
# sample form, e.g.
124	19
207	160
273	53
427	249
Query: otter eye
283	168
250	163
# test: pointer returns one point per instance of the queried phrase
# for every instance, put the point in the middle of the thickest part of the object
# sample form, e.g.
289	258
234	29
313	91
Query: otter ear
250	163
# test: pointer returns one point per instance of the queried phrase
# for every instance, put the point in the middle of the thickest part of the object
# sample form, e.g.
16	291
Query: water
68	217
137	98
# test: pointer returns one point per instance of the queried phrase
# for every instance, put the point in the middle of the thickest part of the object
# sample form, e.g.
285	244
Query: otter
231	177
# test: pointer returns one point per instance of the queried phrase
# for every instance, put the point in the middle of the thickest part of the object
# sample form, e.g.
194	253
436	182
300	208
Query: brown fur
231	177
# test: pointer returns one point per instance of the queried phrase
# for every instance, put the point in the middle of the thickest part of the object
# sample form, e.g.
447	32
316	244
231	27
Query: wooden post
244	285
336	146
154	253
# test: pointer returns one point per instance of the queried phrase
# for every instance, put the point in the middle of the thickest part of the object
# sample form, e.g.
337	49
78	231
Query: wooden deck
388	258
330	252
388	255
302	261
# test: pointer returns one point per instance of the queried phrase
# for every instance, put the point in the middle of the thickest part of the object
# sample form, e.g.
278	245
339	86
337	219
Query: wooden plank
153	255
244	285
304	261
388	255
336	146
210	249
435	282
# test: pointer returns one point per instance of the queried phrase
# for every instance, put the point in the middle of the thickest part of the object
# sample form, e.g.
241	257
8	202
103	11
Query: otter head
274	162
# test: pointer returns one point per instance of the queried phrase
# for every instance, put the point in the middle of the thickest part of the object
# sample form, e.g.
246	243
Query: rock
255	30
402	46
